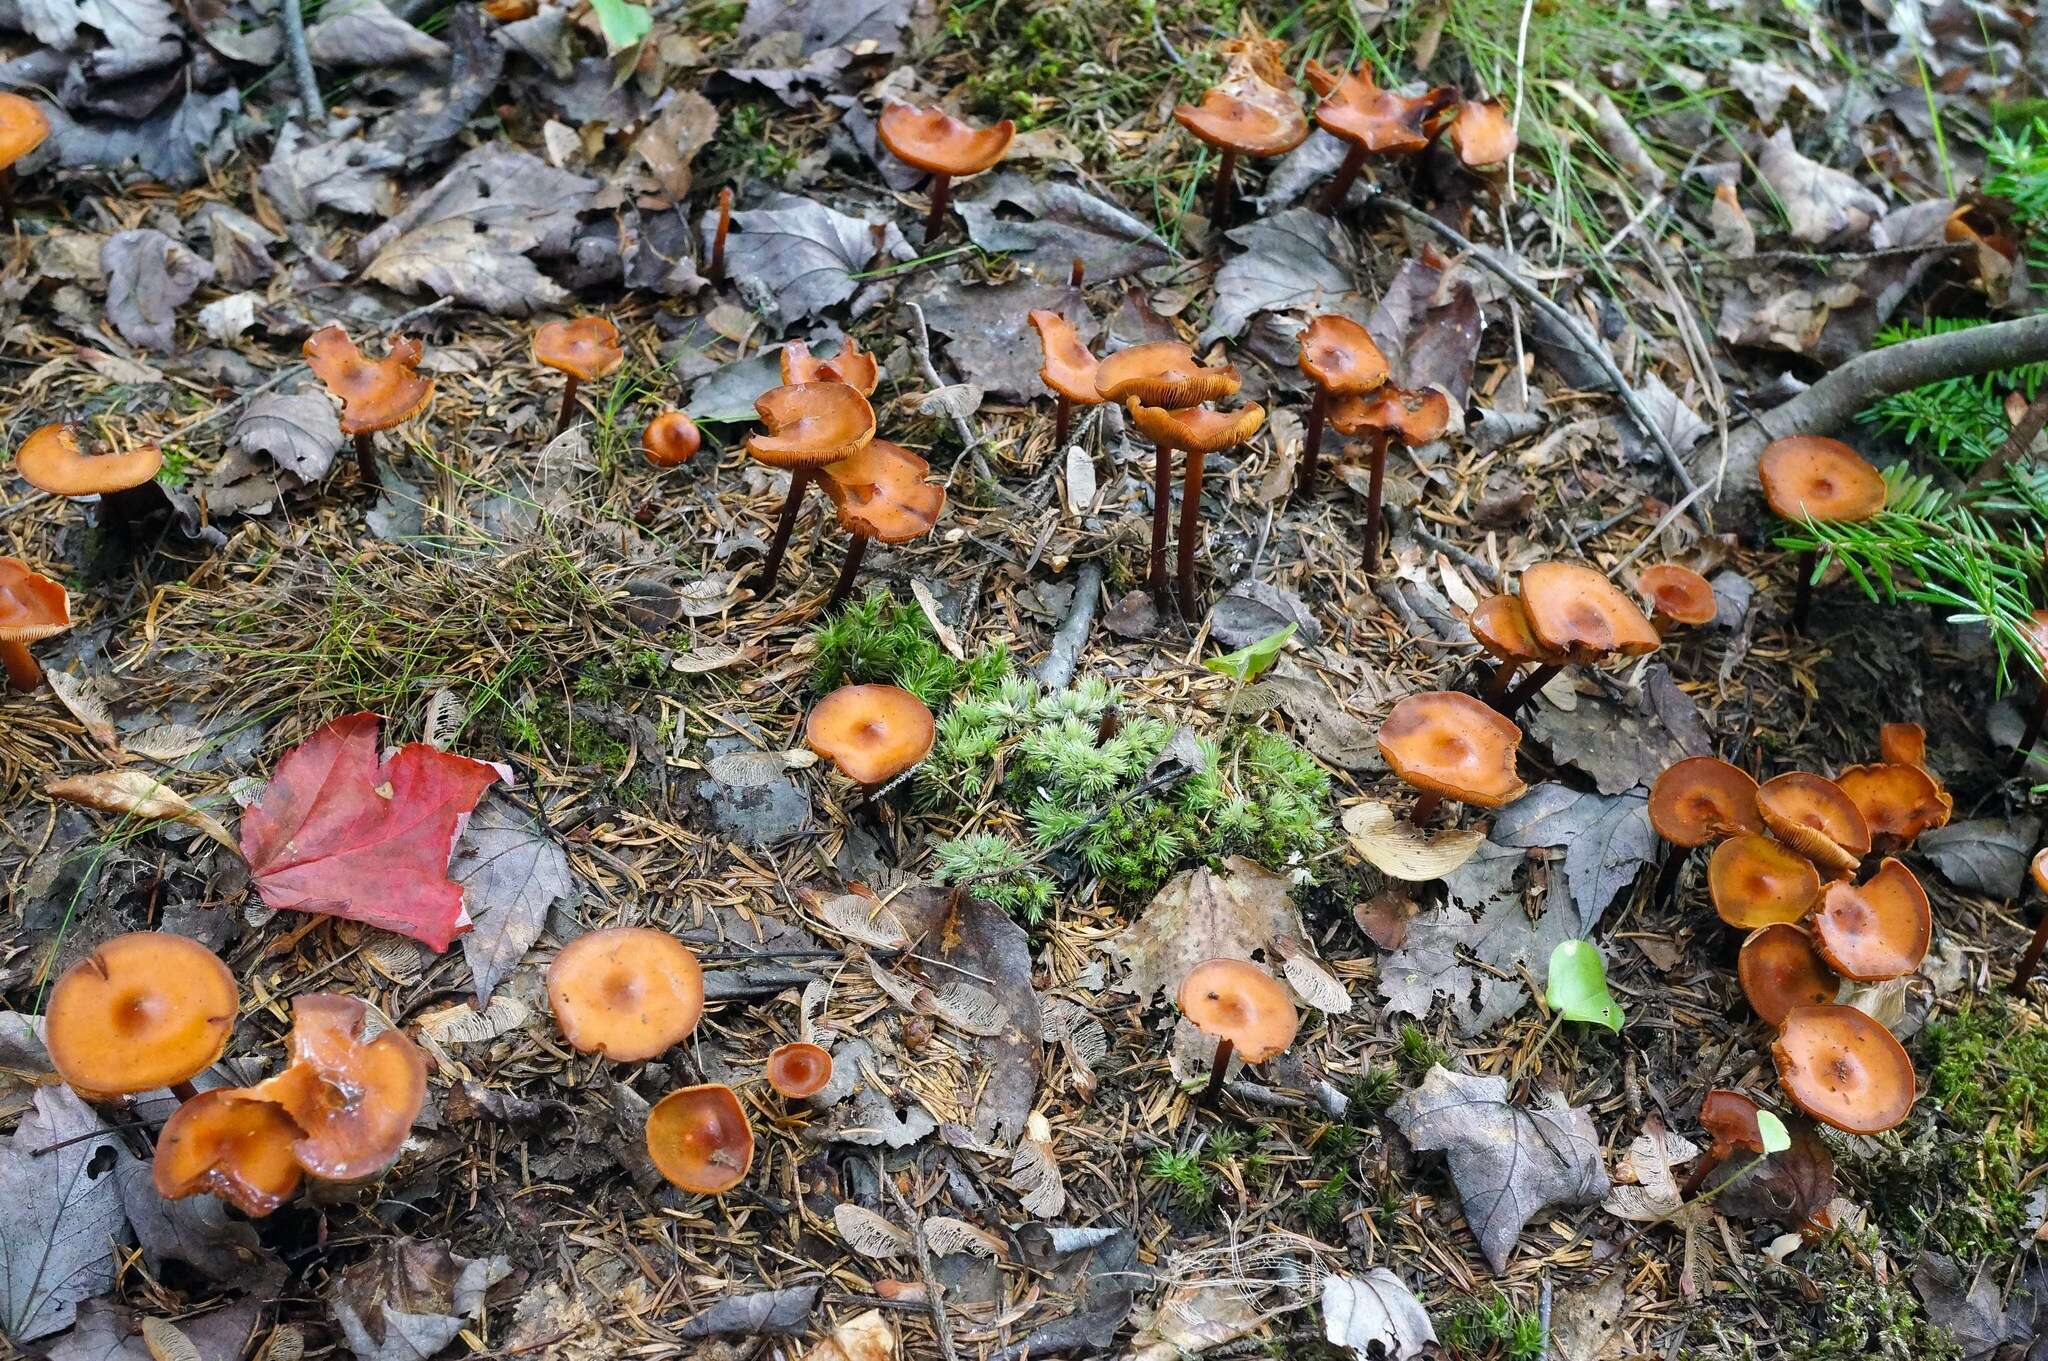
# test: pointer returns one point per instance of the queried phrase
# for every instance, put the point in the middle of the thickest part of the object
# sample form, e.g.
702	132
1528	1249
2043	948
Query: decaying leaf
1645	1191
1820	203
1297	262
149	277
1376	1316
868	1233
1398	848
1036	1170
1202	914
131	793
945	1236
865	918
60	1215
512	872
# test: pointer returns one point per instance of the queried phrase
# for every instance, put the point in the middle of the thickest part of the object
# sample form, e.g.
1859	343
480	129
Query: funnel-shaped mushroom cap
1340	357
220	1143
1898	802
671	440
1236	1000
1844	1069
1877	929
1731	1118
1702	799
811	424
1780	970
1482	134
1356	109
1414	416
1069	369
1164	373
51	460
1677	594
798	1070
376	394
353	1099
1579	612
700	1140
32	607
940	144
142	1011
23	127
881	493
1501	626
585	348
852	366
1811	477
1815	818
1903	744
873	733
1755	882
1246	113
1453	745
627	992
1197	429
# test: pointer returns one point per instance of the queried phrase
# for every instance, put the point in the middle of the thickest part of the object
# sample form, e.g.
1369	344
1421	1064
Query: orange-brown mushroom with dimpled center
220	1143
2038	872
1482	134
1814	817
1898	802
354	1097
23	128
1844	1069
32	608
671	440
1411	417
798	1070
1451	746
1903	744
629	993
1731	1118
1755	881
1251	112
809	426
852	366
583	349
1341	360
1877	929
54	459
1370	120
1695	802
699	1139
1579	613
880	493
942	146
1068	372
1500	625
1811	477
1678	597
1780	969
1197	432
375	394
873	733
1243	1008
144	1010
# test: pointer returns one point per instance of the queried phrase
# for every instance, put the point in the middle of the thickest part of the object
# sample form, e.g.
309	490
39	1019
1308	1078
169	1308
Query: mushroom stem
1312	443
2031	958
1190	530
1078	273
771	567
7	182
717	270
1526	691
1226	180
1372	502
23	671
1162	500
2036	720
942	199
1701	1170
184	1091
568	407
855	551
1217	1072
1425	808
1667	875
1333	197
1062	416
1496	688
366	460
1802	594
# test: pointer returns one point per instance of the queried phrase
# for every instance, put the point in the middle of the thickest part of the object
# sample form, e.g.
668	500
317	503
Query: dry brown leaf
87	704
134	794
1200	915
1398	848
865	1337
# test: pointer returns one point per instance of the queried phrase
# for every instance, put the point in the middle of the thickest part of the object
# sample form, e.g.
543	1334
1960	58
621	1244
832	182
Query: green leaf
624	23
1775	1136
1578	986
1250	662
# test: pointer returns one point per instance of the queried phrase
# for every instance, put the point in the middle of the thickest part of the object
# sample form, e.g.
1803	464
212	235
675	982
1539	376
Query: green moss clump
1987	1086
879	640
1862	1317
1493	1327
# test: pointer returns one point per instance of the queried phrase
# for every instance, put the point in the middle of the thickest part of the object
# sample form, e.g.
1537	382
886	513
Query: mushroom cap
1702	799
811	424
1877	929
1340	357
1898	802
1163	373
1483	134
1731	1118
1813	477
852	366
1755	882
1678	594
671	440
1814	817
1414	416
585	348
700	1140
354	1100
51	460
1843	1068
873	733
222	1144
940	144
1454	745
1236	1000
1197	429
1577	611
881	493
1501	626
1780	970
32	607
799	1069
376	394
626	992
1246	116
1069	368
142	1011
23	128
1903	744
2039	869
1355	108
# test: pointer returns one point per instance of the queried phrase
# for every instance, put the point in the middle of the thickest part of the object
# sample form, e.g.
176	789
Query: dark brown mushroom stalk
809	425
1500	626
1578	613
947	149
1412	416
1069	369
1339	358
2037	716
716	272
1197	432
880	493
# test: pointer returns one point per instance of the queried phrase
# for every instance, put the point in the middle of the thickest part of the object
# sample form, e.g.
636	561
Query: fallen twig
934	1289
921	344
314	107
1056	672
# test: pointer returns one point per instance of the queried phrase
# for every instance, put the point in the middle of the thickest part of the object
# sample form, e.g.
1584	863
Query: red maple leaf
339	832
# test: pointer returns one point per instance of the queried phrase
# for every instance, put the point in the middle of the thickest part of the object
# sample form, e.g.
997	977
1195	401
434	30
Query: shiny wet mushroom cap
699	1139
144	1010
881	492
1576	610
1844	1069
52	459
1199	429
1482	133
798	1070
1452	745
1412	416
1501	626
873	733
1779	970
1677	595
353	1097
1236	1000
585	348
671	440
32	608
1355	109
1069	369
23	128
1814	817
220	1143
1163	373
1813	477
1903	744
375	394
1702	799
1755	881
936	142
1898	802
1251	111
1877	929
629	993
811	424
1340	357
852	366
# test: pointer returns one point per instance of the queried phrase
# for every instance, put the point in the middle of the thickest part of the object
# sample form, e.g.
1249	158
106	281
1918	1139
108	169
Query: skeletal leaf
904	993
134	794
865	919
167	742
1399	848
1040	1188
445	716
87	704
166	1343
868	1234
1314	984
967	1007
1073	1025
946	1236
462	1023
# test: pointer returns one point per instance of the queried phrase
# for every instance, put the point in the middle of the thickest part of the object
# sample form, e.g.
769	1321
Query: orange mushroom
627	992
1482	133
1163	374
1243	1008
1341	360
1815	818
376	394
873	733
1414	416
1731	1118
671	440
144	1010
1251	112
700	1140
2038	870
1780	969
1678	597
1755	882
880	493
1372	121
1898	802
220	1143
1903	744
32	608
1068	372
1695	802
852	366
1811	477
1500	625
947	149
1844	1069
1452	746
1579	613
23	128
798	1070
353	1097
584	349
52	459
1197	432
809	426
1877	929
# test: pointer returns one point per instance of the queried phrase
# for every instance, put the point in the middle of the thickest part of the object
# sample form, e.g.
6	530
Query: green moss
1987	1095
1858	1316
1417	1053
1493	1327
549	729
1192	1185
882	640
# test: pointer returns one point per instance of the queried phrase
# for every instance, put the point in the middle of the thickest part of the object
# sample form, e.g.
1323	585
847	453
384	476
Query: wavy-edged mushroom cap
1248	116
1236	1000
798	1070
1501	626
811	424
32	607
1482	133
853	366
1898	802
1815	818
938	143
1163	373
51	459
1677	594
873	733
1903	744
626	992
1812	477
144	1010
222	1144
1340	356
23	128
1355	108
1579	612
881	493
1731	1118
1843	1068
1069	369
671	440
1446	743
353	1099
1877	929
1197	429
585	348
1702	799
1780	970
1755	882
376	394
700	1140
1414	416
